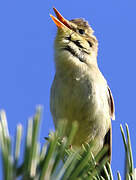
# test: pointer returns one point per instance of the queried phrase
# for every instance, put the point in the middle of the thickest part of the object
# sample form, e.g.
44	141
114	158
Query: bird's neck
67	63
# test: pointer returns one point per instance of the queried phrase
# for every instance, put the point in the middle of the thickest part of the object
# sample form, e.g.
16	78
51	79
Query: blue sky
26	59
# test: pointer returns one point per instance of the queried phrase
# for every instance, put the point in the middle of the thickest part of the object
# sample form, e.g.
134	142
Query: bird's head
75	42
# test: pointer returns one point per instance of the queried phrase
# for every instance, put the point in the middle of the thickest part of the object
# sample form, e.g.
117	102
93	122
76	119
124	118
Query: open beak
60	21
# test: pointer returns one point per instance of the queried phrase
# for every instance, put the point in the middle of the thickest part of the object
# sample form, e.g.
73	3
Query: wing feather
111	104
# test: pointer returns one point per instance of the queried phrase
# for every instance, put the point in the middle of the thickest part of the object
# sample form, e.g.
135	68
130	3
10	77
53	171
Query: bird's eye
81	31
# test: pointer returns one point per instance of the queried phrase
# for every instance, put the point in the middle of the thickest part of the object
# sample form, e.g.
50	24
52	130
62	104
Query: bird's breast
82	99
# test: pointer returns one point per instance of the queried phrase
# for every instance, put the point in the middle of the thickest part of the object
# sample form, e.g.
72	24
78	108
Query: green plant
56	160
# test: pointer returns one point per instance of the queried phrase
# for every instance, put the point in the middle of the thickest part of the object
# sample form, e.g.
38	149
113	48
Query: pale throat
67	63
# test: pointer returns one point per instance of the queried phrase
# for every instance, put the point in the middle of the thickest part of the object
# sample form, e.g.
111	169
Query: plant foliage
55	160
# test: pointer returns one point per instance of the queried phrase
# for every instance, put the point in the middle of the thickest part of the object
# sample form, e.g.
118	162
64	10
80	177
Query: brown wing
108	136
111	104
108	141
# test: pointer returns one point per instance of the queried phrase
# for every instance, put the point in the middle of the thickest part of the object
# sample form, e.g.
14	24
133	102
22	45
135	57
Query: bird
79	91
